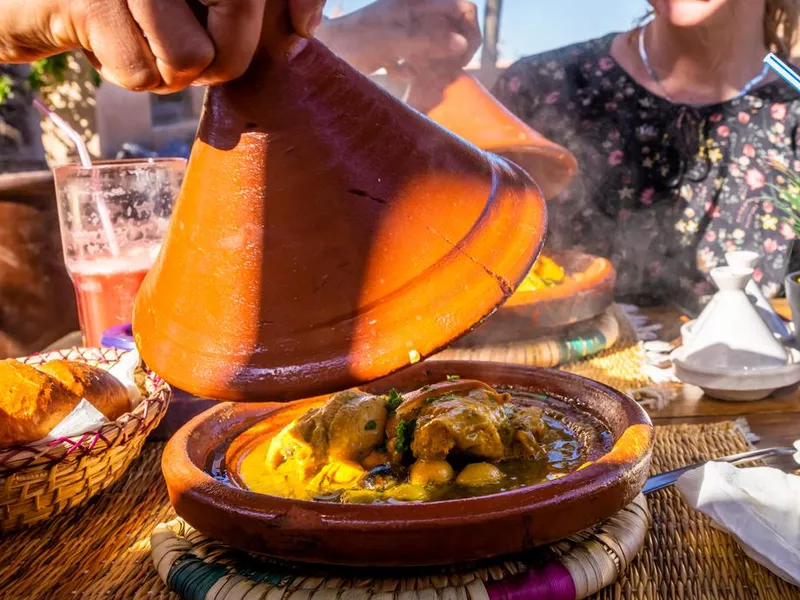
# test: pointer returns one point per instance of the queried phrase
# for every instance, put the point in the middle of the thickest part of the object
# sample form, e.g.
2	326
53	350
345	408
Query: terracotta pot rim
599	273
592	478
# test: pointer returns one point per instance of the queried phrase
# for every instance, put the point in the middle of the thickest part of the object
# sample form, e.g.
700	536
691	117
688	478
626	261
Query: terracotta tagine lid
457	101
326	234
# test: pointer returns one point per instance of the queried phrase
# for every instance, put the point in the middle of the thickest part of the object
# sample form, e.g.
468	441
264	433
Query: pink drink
106	289
113	217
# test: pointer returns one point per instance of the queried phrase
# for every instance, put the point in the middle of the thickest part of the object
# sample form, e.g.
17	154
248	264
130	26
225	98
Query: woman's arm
386	33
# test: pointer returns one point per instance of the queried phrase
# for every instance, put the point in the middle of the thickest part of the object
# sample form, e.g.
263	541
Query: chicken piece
522	431
466	417
348	427
468	425
413	402
400	427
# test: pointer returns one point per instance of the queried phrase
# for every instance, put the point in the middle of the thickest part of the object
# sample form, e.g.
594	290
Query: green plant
786	195
43	74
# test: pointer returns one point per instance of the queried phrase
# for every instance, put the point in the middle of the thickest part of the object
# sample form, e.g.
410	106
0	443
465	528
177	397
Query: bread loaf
33	400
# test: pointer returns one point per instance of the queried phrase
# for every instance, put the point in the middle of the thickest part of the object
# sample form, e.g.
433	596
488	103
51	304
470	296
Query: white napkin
759	506
124	370
85	417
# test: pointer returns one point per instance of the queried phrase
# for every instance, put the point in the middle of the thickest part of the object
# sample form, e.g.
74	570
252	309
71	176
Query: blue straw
787	73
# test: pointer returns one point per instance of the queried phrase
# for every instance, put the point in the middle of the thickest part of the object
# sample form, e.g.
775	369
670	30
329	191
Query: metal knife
663	480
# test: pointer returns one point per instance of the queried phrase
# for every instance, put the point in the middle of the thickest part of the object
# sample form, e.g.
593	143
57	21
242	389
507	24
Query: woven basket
41	480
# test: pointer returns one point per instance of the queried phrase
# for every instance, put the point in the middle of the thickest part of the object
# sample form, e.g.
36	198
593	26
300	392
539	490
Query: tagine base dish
197	567
618	437
736	385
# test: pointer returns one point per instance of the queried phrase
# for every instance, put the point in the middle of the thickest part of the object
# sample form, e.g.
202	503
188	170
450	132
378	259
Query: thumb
306	15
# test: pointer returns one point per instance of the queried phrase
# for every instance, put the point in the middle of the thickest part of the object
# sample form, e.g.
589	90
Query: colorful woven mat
621	366
198	568
606	349
499	341
102	550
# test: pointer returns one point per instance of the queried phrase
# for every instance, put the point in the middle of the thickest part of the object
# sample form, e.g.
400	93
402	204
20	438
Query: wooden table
775	420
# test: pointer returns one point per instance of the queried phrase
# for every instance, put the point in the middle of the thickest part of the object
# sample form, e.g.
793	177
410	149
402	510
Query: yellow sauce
565	452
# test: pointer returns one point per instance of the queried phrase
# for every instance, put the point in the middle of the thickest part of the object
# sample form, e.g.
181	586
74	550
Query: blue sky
531	26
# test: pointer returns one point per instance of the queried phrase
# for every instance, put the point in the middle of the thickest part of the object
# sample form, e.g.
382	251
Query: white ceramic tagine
748	260
732	354
745	259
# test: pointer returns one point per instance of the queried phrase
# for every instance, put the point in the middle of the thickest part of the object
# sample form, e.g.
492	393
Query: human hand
405	36
161	46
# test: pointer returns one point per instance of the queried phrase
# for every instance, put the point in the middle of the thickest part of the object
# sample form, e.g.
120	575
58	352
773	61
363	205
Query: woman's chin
691	13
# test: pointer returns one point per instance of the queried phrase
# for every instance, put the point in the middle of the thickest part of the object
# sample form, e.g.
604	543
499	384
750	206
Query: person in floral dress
676	145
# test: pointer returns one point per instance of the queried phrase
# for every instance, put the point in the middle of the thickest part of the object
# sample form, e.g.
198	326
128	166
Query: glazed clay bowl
401	535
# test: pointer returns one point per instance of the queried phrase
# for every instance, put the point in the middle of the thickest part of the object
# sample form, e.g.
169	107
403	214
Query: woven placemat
606	349
619	366
507	342
198	568
102	550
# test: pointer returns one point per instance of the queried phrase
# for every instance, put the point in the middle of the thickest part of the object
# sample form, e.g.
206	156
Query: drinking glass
113	217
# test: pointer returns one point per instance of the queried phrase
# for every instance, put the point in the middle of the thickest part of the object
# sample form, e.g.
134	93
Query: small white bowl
737	385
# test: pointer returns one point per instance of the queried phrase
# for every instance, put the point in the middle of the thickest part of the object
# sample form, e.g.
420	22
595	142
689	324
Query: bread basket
41	480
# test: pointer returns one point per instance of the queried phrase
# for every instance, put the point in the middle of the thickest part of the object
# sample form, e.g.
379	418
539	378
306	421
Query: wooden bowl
422	533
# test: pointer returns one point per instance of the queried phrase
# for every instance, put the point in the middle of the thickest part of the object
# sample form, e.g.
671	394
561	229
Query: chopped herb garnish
370	426
431	400
453	378
405	434
424	388
395	399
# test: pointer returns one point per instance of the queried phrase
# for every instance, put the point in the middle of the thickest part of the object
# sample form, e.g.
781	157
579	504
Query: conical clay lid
326	234
462	105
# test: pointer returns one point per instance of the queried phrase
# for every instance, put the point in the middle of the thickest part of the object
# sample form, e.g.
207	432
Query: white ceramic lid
730	335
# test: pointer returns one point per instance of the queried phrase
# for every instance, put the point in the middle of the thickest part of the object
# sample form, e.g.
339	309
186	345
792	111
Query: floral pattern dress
664	190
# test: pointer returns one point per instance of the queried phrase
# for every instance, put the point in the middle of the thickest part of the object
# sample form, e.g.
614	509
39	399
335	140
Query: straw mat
511	342
606	348
102	550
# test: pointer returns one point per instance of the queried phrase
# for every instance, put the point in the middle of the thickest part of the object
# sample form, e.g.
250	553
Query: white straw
787	73
83	151
86	163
